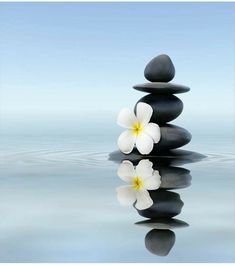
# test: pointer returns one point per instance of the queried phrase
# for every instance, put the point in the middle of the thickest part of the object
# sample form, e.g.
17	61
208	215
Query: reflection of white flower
140	131
141	179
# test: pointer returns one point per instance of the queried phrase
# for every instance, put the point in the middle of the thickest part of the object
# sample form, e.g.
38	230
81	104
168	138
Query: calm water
58	204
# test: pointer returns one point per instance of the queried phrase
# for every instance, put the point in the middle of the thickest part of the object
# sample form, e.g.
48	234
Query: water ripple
221	157
81	157
85	158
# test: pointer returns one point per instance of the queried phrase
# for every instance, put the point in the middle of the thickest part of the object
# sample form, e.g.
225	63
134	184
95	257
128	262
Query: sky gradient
76	60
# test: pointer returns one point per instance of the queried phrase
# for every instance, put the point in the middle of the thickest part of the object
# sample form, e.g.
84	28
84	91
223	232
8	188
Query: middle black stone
165	107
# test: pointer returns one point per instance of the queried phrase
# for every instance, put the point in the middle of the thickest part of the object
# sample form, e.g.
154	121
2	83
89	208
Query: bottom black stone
172	137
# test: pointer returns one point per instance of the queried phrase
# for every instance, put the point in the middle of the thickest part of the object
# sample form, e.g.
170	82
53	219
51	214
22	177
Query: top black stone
160	69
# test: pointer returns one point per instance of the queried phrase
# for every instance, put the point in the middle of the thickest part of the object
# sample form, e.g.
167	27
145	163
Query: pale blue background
64	63
66	69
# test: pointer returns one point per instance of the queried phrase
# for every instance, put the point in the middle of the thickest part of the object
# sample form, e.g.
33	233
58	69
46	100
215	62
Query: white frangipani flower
140	131
140	179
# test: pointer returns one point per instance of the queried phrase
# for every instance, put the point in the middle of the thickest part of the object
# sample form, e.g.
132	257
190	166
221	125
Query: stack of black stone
166	106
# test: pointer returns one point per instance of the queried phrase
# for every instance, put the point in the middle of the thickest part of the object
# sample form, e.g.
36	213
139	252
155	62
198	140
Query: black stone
161	88
160	68
172	137
166	204
160	242
171	157
165	107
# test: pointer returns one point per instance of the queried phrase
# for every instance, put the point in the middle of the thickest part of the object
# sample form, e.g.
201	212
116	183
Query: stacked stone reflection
166	205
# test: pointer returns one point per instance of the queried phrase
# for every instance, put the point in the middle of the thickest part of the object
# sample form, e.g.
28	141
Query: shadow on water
166	203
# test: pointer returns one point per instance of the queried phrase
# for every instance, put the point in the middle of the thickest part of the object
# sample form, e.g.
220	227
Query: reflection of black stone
165	107
174	177
166	204
172	157
160	242
163	223
161	239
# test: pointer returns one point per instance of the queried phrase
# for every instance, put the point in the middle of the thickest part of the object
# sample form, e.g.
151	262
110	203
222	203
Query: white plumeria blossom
140	179
139	130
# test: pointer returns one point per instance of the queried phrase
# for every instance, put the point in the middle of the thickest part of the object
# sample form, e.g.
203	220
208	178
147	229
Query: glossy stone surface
172	137
166	204
161	88
165	107
160	68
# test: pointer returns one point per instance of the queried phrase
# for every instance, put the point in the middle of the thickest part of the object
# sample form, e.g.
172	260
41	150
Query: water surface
58	204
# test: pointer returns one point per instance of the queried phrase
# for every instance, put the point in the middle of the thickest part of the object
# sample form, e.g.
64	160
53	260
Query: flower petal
143	112
153	182
126	195
126	141
144	169
126	118
144	143
153	130
144	200
126	171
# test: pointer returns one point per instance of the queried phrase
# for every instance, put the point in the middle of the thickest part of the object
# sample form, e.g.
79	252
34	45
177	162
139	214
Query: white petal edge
126	141
126	118
153	182
144	200
144	112
153	130
144	169
126	195
144	143
126	171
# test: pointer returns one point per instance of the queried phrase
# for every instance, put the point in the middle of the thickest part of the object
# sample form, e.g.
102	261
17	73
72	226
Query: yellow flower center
137	129
137	183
